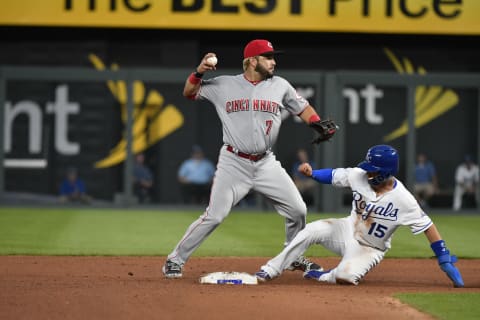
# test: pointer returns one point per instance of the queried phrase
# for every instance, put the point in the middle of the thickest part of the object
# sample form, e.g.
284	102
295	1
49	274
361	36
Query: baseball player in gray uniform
249	106
380	204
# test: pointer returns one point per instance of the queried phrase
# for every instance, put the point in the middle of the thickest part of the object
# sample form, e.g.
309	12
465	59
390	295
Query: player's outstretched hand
453	273
305	169
446	262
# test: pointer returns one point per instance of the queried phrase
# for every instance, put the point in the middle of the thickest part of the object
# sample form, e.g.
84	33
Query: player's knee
300	209
308	235
309	230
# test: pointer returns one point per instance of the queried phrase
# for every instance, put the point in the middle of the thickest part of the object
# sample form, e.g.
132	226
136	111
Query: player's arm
194	80
309	115
321	175
445	260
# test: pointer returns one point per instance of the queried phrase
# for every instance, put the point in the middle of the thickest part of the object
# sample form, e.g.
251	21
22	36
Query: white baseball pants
337	235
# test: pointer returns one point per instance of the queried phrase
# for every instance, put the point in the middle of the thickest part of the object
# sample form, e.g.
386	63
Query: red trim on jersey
252	82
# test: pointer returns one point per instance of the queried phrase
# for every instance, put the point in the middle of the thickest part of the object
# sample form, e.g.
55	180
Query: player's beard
263	71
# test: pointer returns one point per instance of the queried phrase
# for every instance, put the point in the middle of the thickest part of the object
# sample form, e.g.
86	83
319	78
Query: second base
229	278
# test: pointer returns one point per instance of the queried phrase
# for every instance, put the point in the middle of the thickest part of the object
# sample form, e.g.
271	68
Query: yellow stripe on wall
370	16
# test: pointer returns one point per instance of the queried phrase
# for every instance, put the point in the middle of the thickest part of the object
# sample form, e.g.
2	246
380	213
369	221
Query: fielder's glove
446	262
325	128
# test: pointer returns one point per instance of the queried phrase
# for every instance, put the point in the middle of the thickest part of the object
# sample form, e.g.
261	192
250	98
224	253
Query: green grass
460	233
445	306
153	232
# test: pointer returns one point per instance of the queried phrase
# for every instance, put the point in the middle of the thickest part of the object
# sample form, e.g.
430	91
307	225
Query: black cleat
304	264
172	269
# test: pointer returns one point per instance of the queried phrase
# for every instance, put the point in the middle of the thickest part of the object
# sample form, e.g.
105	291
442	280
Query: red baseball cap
259	47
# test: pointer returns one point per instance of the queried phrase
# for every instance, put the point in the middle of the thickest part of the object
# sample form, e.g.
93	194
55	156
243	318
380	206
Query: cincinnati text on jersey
257	105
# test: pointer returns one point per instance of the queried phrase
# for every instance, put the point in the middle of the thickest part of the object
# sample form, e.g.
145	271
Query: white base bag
229	278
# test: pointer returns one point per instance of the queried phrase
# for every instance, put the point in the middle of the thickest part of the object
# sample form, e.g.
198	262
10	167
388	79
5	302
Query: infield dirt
46	287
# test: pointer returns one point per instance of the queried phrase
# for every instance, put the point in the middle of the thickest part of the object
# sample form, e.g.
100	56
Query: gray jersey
251	113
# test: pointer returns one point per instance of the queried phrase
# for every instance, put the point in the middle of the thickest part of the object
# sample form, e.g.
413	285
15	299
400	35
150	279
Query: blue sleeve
323	175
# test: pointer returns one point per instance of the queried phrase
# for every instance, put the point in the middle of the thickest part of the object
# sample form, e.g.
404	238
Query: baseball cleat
172	269
304	264
314	274
263	276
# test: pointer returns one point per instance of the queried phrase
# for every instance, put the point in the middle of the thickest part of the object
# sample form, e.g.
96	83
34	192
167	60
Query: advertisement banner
367	16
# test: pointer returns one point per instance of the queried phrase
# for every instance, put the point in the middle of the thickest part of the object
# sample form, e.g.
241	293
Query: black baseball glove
326	129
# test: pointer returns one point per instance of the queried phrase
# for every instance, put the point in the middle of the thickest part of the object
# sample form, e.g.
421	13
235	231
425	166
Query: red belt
252	157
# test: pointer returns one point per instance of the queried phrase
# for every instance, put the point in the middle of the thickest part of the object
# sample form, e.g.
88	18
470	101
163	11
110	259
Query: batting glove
446	262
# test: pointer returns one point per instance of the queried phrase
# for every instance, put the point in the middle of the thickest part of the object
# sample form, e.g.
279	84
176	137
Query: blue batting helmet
382	159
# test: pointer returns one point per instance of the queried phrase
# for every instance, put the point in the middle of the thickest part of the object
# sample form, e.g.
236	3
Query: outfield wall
79	123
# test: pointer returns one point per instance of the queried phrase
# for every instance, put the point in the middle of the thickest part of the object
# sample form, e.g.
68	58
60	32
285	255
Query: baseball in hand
212	60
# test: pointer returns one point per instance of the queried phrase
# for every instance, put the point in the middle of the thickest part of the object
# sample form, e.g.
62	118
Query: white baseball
212	60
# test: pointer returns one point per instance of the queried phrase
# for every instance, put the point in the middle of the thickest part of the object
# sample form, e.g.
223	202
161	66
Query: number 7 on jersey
268	124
